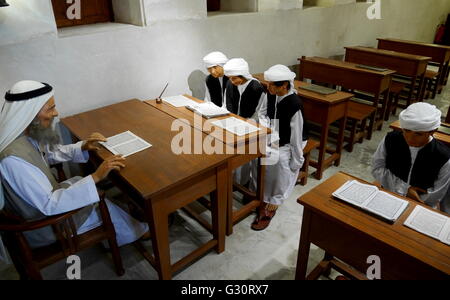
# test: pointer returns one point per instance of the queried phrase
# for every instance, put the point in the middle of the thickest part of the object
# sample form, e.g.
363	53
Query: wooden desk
323	110
412	66
351	235
157	179
244	149
445	138
439	54
348	76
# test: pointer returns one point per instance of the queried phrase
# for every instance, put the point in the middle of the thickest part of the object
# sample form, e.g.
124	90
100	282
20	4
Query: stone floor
270	254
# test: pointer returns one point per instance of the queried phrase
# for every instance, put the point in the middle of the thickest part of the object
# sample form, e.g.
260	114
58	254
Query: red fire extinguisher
440	33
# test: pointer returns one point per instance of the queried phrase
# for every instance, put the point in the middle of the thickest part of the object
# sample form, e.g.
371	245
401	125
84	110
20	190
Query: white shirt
434	196
33	186
296	124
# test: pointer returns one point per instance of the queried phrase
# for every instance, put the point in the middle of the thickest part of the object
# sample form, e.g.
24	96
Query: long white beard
44	136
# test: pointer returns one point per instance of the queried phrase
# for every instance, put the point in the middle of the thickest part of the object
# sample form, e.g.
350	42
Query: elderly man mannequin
412	163
28	144
216	82
282	111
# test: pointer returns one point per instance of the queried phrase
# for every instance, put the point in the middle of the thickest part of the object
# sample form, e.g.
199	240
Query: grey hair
46	136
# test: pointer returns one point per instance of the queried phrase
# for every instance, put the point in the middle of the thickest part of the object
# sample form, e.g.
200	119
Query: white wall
93	70
279	4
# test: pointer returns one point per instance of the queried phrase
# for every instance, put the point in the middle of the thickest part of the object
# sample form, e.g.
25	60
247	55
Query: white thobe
242	174
438	194
31	185
284	162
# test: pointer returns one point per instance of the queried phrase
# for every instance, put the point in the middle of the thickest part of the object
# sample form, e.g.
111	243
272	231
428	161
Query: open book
179	101
208	110
430	223
125	144
370	198
236	126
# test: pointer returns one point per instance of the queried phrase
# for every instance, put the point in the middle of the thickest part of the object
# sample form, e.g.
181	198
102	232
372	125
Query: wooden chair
304	172
28	262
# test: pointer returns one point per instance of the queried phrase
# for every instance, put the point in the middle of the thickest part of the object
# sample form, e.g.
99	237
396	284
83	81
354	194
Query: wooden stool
303	176
431	83
358	114
394	96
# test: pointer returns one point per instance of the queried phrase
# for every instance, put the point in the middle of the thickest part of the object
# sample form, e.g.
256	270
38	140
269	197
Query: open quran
371	199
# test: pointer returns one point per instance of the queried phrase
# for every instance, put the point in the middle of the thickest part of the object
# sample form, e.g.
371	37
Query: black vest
427	166
249	100
215	90
286	109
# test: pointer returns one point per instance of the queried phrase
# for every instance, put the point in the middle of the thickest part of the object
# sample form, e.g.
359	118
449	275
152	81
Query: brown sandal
263	219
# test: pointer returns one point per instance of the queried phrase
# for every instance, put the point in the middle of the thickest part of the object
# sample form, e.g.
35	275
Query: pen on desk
159	100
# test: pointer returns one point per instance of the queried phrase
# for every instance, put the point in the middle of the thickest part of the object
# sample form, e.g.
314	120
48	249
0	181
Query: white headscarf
421	117
215	59
237	67
16	116
281	73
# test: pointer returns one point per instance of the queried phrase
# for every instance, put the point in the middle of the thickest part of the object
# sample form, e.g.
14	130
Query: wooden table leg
340	140
383	107
261	177
379	114
371	125
447	119
219	207
446	73
229	222
421	89
322	151
411	92
304	247
159	228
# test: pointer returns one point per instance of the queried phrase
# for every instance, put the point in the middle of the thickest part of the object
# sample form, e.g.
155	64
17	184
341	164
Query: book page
236	126
355	192
119	139
446	238
429	223
208	109
387	206
125	144
179	101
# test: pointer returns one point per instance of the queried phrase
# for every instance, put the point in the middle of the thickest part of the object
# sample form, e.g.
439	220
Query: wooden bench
304	172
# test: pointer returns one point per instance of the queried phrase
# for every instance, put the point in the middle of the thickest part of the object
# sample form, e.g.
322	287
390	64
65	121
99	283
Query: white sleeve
225	98
436	194
65	153
33	187
297	158
207	94
259	106
385	177
261	110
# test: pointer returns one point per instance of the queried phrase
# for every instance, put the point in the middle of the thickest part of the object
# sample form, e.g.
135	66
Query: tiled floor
270	254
